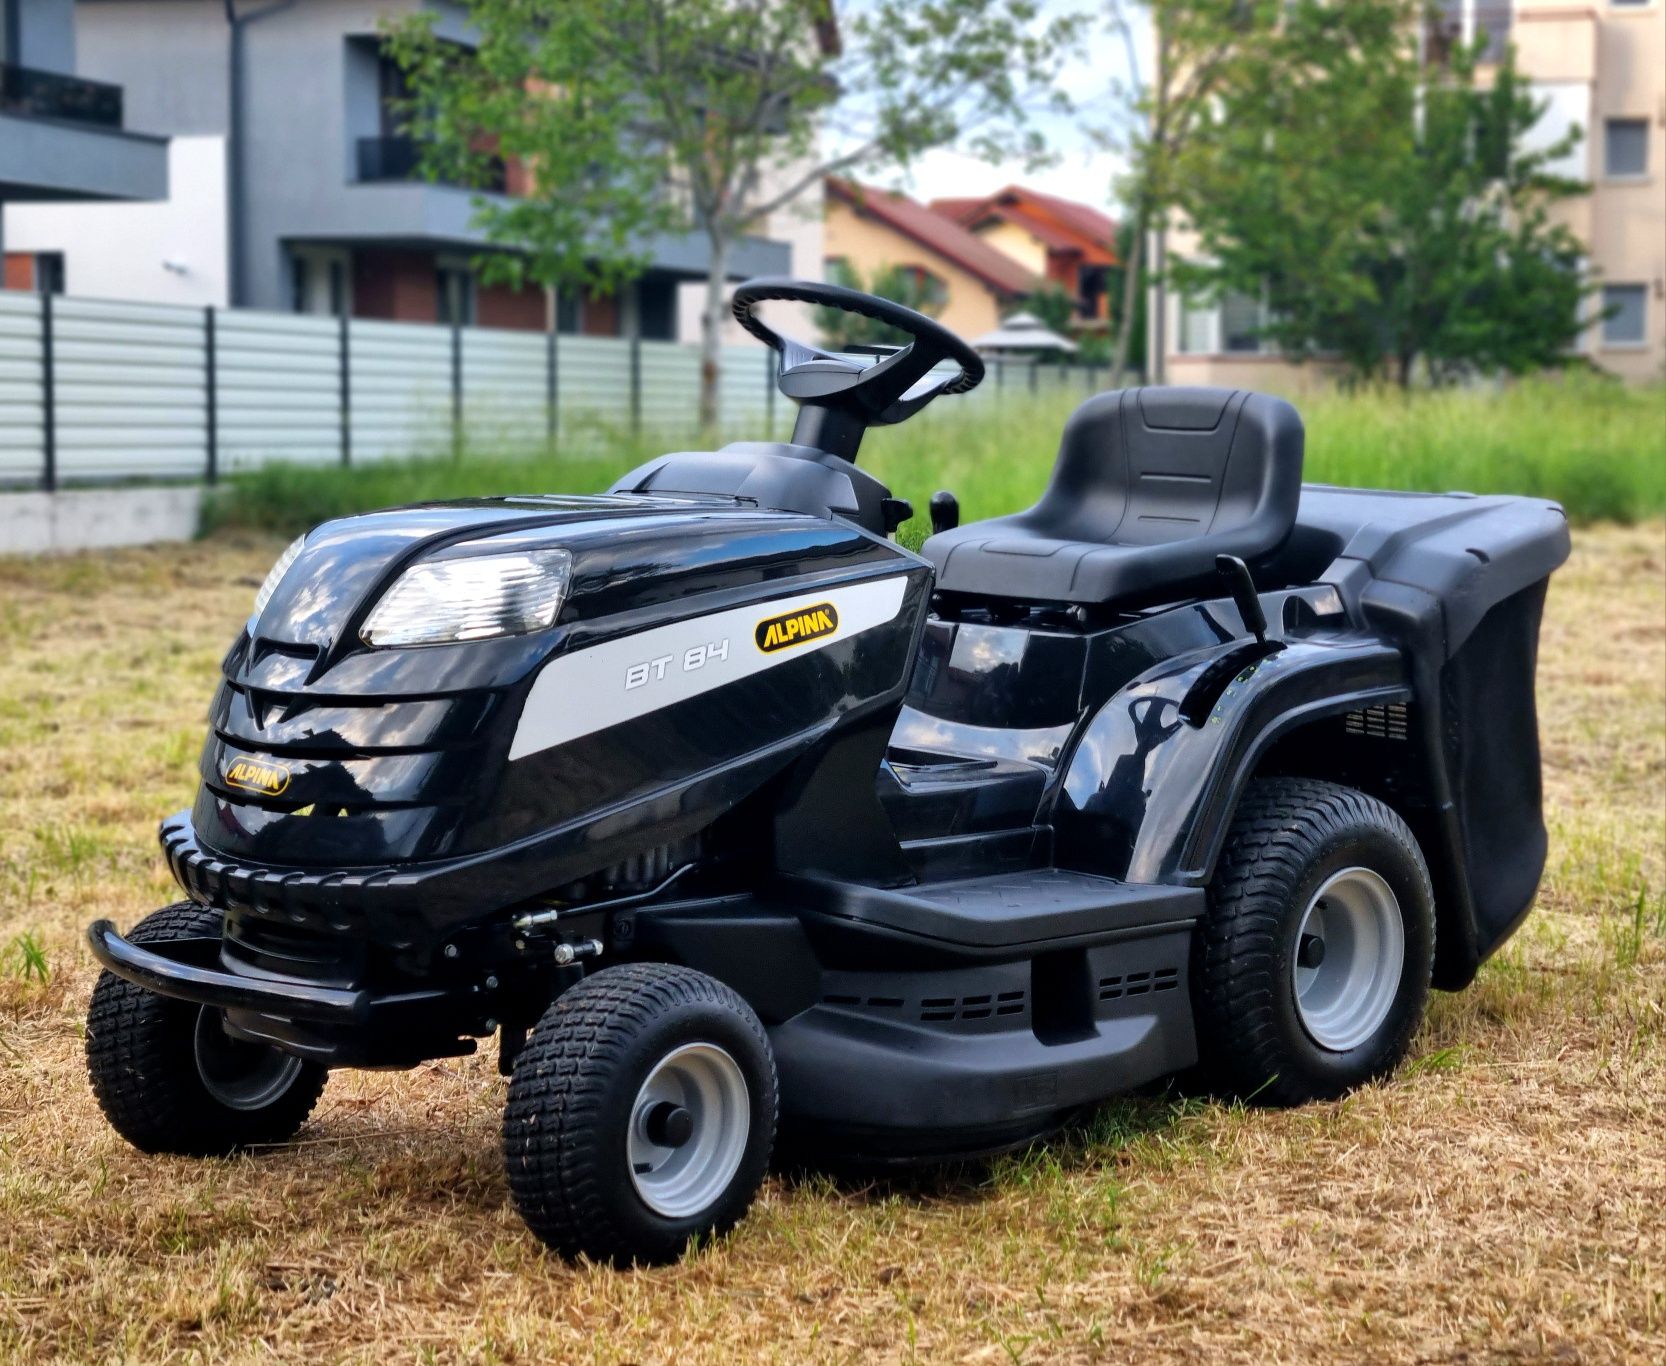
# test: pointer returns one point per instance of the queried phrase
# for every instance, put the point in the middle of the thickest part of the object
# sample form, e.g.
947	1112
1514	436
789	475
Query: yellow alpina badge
255	776
797	628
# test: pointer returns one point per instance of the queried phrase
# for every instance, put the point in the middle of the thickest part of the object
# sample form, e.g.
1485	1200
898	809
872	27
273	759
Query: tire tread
1281	825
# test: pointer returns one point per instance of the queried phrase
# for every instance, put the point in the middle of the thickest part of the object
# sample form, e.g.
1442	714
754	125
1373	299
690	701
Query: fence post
344	380
1035	375
48	399
636	380
771	356
211	405
456	392
552	388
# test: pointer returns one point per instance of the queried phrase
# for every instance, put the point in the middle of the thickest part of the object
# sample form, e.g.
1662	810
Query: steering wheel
839	398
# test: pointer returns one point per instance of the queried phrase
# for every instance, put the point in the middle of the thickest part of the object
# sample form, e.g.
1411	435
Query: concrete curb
90	519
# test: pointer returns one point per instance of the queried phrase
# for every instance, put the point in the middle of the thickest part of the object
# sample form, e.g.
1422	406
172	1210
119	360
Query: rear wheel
167	1075
1311	970
641	1115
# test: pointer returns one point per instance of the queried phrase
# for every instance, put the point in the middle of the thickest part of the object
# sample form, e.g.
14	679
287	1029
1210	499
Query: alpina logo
254	776
795	628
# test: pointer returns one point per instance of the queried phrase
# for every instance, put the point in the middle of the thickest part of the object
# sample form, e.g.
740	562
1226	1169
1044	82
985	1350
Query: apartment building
295	188
1599	65
63	138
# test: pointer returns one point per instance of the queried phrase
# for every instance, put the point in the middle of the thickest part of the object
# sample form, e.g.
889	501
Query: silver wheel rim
1344	998
240	1075
706	1084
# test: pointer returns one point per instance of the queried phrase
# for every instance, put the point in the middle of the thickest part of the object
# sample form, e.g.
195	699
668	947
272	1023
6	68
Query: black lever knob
1242	587
945	512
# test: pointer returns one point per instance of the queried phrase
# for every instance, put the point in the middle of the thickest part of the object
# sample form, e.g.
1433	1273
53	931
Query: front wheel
641	1115
167	1075
1311	970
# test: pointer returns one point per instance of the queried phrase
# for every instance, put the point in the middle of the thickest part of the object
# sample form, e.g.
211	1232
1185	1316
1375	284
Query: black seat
1150	486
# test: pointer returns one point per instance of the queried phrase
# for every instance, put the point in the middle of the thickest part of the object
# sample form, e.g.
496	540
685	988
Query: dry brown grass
1504	1199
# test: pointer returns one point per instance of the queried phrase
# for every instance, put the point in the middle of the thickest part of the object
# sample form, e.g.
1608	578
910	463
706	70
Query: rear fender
1150	787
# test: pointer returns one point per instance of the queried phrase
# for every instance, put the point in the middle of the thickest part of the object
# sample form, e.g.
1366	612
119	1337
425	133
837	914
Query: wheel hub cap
689	1126
240	1075
1350	950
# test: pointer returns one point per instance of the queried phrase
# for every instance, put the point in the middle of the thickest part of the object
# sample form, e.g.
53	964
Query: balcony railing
49	95
400	158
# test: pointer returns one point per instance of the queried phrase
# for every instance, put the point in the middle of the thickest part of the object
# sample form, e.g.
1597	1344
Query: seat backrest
1150	466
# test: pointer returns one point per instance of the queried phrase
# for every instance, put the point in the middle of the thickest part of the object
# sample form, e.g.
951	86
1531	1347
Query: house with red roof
973	282
1070	244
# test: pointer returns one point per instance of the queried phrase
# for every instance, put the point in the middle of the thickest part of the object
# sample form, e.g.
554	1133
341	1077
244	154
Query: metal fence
95	391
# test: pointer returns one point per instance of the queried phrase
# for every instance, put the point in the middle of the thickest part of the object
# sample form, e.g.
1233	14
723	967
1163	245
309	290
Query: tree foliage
905	285
637	117
1054	305
1391	212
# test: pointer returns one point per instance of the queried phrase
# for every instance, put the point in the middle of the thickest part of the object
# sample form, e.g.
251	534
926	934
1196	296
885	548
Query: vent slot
984	1005
1377	723
1138	984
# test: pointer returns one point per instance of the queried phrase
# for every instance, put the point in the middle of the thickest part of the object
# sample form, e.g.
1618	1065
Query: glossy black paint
844	829
400	756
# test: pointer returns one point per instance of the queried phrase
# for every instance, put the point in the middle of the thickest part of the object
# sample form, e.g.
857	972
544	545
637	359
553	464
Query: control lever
1238	583
945	512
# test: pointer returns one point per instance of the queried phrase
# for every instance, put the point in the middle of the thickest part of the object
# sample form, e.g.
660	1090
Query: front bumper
177	976
337	1025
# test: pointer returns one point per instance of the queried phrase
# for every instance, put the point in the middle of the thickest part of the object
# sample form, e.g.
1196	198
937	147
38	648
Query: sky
1082	170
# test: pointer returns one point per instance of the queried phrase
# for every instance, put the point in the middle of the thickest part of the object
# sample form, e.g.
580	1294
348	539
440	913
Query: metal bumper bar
207	986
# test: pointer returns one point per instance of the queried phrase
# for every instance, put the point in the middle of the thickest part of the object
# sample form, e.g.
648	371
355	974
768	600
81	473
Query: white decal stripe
589	690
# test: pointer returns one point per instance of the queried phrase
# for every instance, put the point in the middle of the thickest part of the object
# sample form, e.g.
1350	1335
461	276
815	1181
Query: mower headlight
471	598
291	552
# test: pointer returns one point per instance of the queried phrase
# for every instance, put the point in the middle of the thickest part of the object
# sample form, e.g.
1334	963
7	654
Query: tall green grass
1596	447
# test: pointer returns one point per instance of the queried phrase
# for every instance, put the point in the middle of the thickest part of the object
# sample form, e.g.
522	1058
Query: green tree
1195	44
1053	305
1387	208
634	117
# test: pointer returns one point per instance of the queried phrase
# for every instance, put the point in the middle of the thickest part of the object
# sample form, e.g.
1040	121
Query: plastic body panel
1148	793
398	787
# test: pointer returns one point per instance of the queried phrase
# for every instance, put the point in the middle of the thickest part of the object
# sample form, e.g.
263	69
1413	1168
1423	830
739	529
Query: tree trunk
711	334
1130	297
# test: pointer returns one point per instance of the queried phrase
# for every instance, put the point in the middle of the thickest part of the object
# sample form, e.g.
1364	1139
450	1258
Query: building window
455	302
569	312
1625	148
928	292
1196	333
1231	326
300	285
1462	23
1624	315
49	272
1242	318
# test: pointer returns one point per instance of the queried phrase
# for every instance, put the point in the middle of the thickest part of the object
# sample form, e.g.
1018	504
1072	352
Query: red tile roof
1061	224
937	233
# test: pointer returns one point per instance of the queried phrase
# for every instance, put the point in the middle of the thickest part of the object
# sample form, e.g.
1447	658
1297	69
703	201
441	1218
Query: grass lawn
1598	448
1502	1199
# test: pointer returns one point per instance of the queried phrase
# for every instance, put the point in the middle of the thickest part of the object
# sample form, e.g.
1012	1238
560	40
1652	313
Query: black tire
142	1058
572	1105
1290	837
